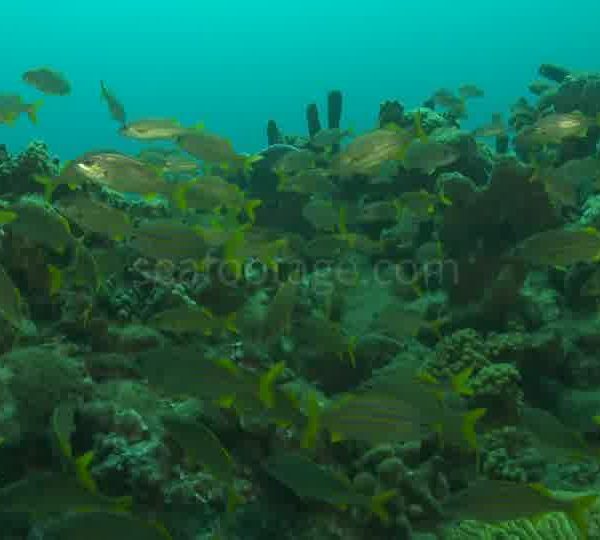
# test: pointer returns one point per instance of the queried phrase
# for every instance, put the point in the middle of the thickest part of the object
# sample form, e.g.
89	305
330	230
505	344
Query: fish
168	239
278	318
378	211
591	287
214	149
42	494
11	304
373	418
308	480
421	204
69	175
187	319
310	181
322	214
439	402
553	436
561	247
99	525
115	107
448	100
294	161
121	173
153	129
95	216
203	447
326	246
212	193
241	246
12	106
495	128
85	271
400	322
369	152
329	137
222	382
39	222
328	337
428	156
540	87
564	183
63	427
178	164
470	91
429	252
48	81
555	127
493	501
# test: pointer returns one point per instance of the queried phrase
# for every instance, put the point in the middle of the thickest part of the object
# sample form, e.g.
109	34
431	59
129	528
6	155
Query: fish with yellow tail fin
168	239
7	216
12	106
203	447
267	381
212	193
115	107
428	156
421	204
153	129
329	337
494	501
63	427
373	418
42	494
100	525
213	148
121	172
189	319
40	223
561	247
308	480
369	153
11	304
94	216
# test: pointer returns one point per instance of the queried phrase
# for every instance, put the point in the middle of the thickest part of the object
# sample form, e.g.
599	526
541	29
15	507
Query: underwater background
300	270
233	64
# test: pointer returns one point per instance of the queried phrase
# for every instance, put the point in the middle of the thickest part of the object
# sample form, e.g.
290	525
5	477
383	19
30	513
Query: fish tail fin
313	423
378	502
579	513
179	196
248	163
11	119
468	428
33	110
234	499
229	323
7	216
419	131
56	279
231	253
352	342
82	468
459	382
49	185
250	206
267	382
